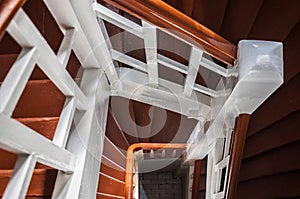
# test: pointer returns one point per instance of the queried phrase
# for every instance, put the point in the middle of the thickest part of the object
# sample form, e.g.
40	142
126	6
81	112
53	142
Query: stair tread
42	182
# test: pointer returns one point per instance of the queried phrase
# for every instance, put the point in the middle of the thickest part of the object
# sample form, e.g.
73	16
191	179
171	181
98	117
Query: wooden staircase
272	136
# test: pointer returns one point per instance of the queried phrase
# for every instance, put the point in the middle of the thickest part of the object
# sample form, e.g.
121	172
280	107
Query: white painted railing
82	122
83	118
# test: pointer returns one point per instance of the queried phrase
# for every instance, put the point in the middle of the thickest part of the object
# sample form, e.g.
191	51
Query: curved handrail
8	9
182	26
130	161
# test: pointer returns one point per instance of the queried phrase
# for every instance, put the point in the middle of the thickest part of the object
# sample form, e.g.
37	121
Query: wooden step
291	46
109	185
41	98
41	185
276	161
278	134
284	185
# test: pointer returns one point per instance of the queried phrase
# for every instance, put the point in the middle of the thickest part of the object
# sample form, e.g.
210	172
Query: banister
130	161
180	25
8	9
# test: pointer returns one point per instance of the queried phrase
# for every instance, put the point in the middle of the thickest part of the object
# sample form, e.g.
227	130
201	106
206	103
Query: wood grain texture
238	142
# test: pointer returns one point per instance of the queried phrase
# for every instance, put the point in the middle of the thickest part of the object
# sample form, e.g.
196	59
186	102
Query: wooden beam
238	143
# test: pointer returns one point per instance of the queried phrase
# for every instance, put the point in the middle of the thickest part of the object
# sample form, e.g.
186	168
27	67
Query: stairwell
272	137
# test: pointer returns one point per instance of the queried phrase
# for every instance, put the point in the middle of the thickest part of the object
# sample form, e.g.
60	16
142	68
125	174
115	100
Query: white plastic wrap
260	65
260	56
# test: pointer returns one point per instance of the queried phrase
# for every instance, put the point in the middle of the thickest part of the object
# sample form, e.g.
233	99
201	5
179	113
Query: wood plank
280	133
239	138
284	185
291	46
113	172
110	186
239	18
196	179
285	99
41	98
210	13
107	196
276	161
42	182
272	14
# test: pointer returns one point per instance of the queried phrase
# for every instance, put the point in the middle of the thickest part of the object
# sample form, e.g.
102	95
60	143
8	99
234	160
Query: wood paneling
236	154
275	20
276	161
280	104
280	133
239	18
285	185
112	171
210	13
291	47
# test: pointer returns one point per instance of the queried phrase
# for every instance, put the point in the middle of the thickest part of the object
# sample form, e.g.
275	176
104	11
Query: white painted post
194	62
150	40
16	79
20	179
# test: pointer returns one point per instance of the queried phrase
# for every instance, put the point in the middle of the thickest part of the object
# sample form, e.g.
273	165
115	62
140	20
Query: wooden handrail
130	161
238	143
196	179
182	26
8	9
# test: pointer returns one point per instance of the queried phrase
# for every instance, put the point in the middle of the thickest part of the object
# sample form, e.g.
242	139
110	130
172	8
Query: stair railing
236	96
164	16
81	124
72	150
130	161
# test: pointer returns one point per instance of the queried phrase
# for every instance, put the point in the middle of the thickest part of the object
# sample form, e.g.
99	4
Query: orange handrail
130	161
182	26
8	9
